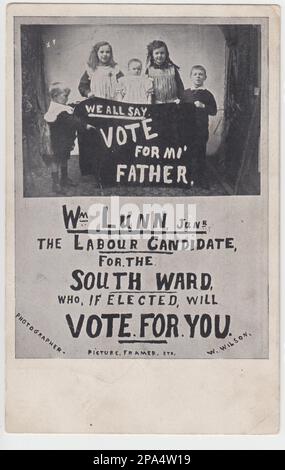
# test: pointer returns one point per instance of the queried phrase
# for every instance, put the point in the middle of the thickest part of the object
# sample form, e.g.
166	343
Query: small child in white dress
134	88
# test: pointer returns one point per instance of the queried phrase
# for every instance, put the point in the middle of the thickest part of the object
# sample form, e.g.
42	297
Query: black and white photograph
141	109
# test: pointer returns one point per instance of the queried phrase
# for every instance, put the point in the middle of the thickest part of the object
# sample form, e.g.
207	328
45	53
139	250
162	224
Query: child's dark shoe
57	188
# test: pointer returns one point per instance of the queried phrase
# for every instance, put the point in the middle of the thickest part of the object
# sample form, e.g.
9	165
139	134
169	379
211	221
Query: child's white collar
55	109
199	88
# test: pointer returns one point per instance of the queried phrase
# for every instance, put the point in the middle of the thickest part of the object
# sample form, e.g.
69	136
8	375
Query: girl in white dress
135	88
102	73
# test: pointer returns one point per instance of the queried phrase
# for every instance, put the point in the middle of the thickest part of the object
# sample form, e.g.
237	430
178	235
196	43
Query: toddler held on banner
135	88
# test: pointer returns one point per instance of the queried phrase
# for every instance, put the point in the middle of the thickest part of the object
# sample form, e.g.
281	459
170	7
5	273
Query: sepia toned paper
199	354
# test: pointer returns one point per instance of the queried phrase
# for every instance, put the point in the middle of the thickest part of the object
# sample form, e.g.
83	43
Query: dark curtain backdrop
242	106
34	103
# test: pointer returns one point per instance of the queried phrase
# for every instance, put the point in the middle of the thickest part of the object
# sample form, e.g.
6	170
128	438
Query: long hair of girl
93	60
156	45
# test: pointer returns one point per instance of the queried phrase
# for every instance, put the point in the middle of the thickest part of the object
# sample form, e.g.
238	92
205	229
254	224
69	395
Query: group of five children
103	78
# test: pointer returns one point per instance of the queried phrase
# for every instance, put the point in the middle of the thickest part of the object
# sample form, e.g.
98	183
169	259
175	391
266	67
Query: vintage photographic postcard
142	218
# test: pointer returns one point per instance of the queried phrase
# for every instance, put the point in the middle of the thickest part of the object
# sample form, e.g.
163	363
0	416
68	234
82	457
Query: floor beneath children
40	185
